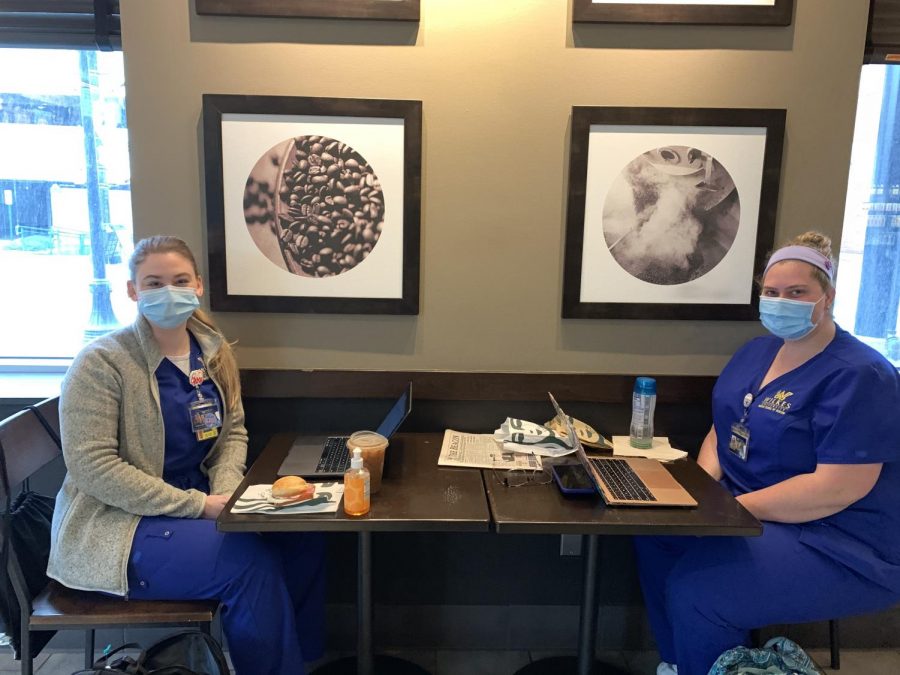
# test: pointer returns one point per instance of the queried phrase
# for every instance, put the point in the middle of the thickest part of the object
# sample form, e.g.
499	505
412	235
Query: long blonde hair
222	366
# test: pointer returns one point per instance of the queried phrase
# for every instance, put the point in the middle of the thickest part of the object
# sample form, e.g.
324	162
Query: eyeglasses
514	478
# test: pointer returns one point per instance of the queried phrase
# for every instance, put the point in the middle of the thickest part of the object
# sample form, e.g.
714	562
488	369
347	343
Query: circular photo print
314	206
671	215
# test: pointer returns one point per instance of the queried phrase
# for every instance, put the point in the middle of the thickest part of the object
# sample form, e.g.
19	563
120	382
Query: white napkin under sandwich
258	499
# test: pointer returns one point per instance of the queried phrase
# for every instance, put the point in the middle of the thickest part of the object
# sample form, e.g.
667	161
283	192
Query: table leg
365	662
585	663
587	621
365	609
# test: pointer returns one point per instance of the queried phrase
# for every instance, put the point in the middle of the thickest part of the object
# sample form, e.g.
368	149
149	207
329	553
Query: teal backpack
779	656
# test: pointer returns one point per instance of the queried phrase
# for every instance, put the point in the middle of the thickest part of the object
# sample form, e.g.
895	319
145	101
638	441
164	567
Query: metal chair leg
835	637
88	648
25	647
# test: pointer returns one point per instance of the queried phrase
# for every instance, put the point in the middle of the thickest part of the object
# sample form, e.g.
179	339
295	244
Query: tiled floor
853	662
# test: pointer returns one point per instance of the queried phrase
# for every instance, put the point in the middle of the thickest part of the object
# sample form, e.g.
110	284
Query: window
65	201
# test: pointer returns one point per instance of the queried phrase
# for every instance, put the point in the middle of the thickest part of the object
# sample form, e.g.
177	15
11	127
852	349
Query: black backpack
185	653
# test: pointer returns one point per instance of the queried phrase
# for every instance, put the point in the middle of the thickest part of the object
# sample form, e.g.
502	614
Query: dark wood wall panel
468	386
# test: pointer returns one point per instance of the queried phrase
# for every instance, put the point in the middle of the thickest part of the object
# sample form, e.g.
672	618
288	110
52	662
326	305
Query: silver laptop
628	481
327	456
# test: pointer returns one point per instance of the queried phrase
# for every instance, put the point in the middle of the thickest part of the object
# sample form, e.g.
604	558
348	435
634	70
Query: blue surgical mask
169	306
787	319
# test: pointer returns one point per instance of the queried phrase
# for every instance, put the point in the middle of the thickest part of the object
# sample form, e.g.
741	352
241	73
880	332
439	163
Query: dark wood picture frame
396	10
771	120
779	14
409	113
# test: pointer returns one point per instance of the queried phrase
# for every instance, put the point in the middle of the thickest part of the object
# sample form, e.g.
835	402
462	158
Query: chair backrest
27	445
48	414
29	440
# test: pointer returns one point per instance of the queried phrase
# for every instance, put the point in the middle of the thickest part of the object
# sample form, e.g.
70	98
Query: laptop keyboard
622	481
335	457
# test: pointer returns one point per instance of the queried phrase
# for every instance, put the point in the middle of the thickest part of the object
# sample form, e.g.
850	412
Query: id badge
740	440
206	417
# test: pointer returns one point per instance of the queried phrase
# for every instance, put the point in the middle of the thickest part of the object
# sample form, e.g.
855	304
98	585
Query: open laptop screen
397	414
573	438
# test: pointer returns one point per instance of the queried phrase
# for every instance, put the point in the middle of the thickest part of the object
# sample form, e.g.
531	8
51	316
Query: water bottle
892	345
643	404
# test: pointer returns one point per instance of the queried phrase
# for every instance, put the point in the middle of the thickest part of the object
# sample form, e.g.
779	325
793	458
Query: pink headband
804	253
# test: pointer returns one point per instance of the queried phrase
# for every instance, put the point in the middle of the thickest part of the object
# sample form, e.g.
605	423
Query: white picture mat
724	3
741	150
246	137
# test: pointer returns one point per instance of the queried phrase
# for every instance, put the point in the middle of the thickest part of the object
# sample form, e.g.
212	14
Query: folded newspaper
259	499
523	436
483	452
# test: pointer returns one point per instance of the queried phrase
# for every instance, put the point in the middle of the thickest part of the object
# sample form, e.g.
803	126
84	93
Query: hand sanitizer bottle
356	486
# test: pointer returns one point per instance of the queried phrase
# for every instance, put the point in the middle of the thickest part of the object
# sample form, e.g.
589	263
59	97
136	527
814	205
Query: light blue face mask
787	319
169	306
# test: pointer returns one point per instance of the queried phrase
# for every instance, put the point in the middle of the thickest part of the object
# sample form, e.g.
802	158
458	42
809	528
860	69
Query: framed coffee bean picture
671	211
313	204
734	12
398	10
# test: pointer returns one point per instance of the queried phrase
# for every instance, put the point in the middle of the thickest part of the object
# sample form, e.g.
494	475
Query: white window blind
74	24
883	38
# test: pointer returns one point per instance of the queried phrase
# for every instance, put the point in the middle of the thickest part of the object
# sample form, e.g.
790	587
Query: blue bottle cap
645	385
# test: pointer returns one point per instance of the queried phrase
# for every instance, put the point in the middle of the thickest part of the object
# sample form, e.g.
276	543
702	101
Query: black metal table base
584	663
564	665
382	665
366	662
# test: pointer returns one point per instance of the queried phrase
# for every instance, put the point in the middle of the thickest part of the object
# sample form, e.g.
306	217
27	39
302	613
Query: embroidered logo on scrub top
777	403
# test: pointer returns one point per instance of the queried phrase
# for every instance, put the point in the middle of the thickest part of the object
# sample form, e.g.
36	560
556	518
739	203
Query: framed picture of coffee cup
313	204
671	211
734	12
397	10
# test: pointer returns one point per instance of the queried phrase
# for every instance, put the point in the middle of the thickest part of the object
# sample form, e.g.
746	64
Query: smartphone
572	479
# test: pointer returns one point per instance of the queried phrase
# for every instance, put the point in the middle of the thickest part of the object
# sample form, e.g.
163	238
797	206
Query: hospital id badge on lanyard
739	443
206	417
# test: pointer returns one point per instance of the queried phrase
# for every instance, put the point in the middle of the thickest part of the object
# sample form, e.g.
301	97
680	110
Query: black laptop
327	456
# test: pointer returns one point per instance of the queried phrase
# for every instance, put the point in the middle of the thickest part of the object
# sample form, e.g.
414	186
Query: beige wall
497	79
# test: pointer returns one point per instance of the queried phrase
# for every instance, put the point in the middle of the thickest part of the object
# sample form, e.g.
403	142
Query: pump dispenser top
356	462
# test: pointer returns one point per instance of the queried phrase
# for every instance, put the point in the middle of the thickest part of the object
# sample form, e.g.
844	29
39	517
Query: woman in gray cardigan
154	444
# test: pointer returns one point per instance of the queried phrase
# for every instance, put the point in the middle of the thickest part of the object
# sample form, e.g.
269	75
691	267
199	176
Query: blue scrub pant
704	595
271	587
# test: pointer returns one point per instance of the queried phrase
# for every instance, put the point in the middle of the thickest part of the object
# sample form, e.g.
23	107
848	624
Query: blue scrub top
184	453
840	407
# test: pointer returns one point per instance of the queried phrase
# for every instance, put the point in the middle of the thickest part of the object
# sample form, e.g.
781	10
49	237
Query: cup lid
358	438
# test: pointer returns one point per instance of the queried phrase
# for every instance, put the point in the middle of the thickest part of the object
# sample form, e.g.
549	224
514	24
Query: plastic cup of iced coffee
373	446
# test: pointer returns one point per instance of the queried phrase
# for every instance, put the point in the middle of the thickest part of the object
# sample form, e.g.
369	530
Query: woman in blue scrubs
805	436
155	444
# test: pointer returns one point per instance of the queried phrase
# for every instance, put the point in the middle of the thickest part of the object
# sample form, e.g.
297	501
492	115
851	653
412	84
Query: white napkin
660	449
258	499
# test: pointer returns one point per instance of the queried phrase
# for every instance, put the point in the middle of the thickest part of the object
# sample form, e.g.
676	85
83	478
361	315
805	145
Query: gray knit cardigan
113	445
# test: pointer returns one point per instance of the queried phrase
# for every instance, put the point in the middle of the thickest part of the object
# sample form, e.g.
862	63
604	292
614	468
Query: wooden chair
30	441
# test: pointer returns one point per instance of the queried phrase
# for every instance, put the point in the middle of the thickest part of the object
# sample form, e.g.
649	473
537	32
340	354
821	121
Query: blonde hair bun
814	240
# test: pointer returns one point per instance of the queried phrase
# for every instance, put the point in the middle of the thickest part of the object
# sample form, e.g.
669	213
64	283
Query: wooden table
542	509
416	496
